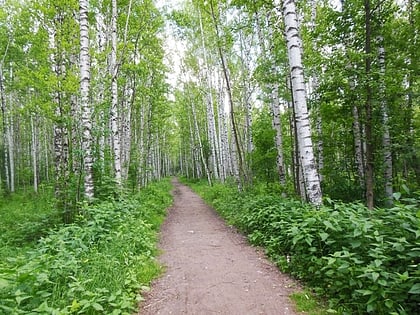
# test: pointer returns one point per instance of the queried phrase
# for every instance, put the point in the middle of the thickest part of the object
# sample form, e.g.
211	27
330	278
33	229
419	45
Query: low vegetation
98	265
363	261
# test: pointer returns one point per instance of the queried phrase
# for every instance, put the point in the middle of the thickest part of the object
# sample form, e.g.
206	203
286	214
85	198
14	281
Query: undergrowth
98	265
363	261
24	218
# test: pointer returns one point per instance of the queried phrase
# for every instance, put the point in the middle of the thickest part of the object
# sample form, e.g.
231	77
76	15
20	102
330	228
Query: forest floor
211	269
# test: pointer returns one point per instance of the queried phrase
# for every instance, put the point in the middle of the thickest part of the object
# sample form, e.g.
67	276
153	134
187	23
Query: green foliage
307	302
363	261
97	265
24	218
264	155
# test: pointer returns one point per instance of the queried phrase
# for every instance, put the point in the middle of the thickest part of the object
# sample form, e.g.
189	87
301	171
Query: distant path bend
210	268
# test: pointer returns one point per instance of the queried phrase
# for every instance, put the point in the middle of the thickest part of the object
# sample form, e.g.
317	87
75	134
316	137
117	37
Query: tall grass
24	218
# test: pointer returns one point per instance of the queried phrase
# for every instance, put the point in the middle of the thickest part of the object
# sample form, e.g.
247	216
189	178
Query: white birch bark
116	142
34	147
222	135
236	153
126	131
386	138
211	124
85	105
310	173
11	152
275	108
5	127
197	132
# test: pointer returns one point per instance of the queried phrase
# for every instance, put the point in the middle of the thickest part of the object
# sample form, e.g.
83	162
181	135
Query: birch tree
84	99
369	107
307	158
386	138
115	118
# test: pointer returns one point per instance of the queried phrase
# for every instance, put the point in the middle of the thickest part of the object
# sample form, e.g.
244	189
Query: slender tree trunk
197	132
115	119
210	110
85	101
5	128
307	159
386	138
275	109
225	69
223	138
34	152
368	109
357	136
11	152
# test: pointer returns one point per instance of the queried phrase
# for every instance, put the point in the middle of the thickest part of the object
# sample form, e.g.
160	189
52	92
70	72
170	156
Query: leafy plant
98	265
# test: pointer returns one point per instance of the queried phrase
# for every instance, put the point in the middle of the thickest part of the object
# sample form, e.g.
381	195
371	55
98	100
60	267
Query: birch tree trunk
5	127
84	100
34	152
386	138
236	145
209	108
368	108
11	153
307	159
197	132
275	109
223	137
115	131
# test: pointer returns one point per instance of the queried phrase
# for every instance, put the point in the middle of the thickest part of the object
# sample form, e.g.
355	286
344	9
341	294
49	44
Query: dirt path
210	267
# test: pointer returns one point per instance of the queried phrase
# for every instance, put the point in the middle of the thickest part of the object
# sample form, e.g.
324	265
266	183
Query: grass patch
308	303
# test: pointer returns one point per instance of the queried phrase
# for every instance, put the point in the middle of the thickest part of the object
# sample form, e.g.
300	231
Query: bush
363	261
97	265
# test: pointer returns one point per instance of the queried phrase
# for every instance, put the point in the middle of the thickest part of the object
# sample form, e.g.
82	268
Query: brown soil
210	268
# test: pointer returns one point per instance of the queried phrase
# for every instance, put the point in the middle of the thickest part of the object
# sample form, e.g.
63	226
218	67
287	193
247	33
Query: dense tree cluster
83	97
311	95
339	79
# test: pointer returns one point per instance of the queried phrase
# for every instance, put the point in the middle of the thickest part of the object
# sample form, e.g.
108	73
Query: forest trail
210	268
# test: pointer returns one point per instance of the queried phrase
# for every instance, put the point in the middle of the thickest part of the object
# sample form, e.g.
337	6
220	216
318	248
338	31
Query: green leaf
355	244
406	189
329	225
3	283
396	195
323	236
97	306
365	292
389	303
375	276
415	289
